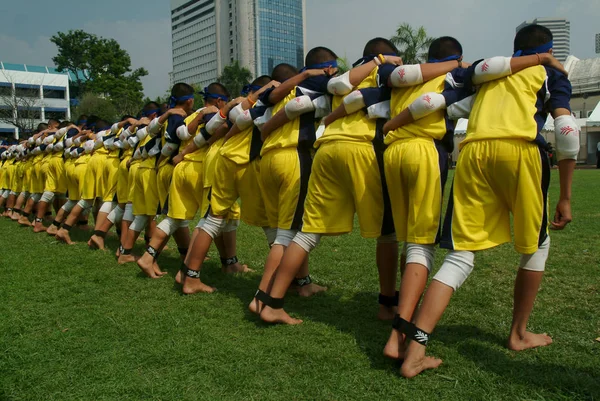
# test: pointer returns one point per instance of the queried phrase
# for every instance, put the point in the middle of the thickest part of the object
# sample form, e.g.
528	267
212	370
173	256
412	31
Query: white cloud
15	50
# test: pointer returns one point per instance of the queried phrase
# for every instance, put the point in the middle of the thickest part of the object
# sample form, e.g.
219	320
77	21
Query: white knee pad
536	262
213	226
184	224
231	225
307	241
456	268
421	254
107	207
67	207
201	223
271	234
139	223
25	194
284	237
85	205
116	215
128	215
387	239
13	193
5	193
168	225
36	197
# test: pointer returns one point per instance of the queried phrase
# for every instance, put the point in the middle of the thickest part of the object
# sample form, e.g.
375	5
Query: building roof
594	118
583	74
41	69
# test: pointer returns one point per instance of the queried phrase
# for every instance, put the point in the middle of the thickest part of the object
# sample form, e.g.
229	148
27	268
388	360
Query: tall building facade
561	31
208	35
598	43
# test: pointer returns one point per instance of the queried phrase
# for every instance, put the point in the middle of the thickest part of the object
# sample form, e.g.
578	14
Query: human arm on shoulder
415	74
343	84
499	67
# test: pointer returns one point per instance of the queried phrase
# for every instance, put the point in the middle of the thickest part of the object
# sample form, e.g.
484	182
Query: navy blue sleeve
560	90
174	121
72	132
458	86
206	117
316	84
257	111
264	97
373	96
383	73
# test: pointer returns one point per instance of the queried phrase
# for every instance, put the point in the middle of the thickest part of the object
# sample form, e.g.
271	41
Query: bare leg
38	226
387	266
63	234
229	242
195	259
273	259
24	219
310	289
147	262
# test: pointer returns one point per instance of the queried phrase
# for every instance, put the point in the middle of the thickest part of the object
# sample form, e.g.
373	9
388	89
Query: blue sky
484	27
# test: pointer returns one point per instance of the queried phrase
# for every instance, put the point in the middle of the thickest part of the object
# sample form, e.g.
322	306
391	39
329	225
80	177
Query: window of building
31	113
55	92
5	89
24	90
57	114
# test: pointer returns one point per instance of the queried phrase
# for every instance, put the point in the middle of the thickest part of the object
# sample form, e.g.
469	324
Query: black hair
126	116
53	120
443	47
42	127
217	89
82	117
181	89
262	80
319	55
284	71
379	46
92	119
64	124
151	106
532	36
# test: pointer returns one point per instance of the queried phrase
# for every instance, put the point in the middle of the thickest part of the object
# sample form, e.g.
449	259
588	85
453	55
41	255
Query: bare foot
195	286
270	315
255	306
123	259
416	362
52	230
96	242
118	253
15	217
387	312
39	228
24	221
148	267
529	340
236	268
310	290
179	277
394	348
157	270
63	236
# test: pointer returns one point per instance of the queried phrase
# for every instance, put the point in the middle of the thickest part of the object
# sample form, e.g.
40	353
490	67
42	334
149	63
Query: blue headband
207	95
321	66
146	113
370	57
174	100
250	88
449	58
81	122
545	48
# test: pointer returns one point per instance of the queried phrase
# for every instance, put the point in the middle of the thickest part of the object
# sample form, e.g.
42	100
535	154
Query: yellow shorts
164	177
56	180
27	169
416	173
493	179
145	195
72	186
109	178
37	179
92	185
346	179
283	179
133	170
78	182
123	181
237	181
186	194
17	178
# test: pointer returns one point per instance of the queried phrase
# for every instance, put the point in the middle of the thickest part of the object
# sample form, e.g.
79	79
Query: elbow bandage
244	120
114	128
49	139
379	110
141	133
59	146
322	106
341	85
154	127
298	106
49	148
426	104
183	133
354	102
491	69
235	113
169	149
566	132
407	75
214	123
61	132
132	141
88	146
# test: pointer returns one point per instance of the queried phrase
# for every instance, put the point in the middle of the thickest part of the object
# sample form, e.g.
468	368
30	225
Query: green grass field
76	326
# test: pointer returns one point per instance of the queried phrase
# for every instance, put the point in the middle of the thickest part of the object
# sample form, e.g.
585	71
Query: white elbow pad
30	140
183	133
144	152
59	146
38	141
298	106
322	106
142	133
407	75
124	145
379	110
235	113
154	127
61	132
137	155
215	122
340	85
124	135
114	128
426	104
67	153
169	149
262	120
49	148
244	120
49	139
36	151
566	132
132	141
74	153
200	140
491	69
98	143
79	140
461	109
69	142
88	146
155	149
354	102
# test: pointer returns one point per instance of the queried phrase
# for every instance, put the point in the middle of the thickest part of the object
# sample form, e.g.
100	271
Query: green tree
343	65
413	44
234	77
93	104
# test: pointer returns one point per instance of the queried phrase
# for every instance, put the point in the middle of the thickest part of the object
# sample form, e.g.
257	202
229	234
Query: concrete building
561	31
31	94
208	35
598	43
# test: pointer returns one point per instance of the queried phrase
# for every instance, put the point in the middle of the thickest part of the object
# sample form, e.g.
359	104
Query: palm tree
343	65
412	44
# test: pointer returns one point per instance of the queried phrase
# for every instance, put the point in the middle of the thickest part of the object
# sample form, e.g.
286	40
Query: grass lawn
75	325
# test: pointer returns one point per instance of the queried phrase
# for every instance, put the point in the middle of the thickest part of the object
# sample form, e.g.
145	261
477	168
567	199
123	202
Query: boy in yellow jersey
187	187
27	170
158	141
503	168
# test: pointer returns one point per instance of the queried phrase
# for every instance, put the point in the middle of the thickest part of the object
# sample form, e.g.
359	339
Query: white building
208	35
37	92
598	43
561	31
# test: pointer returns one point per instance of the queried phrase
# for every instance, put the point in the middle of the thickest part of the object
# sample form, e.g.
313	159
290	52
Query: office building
561	31
208	35
598	43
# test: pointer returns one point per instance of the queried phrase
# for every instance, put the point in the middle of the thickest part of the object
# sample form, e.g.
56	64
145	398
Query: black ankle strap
412	332
195	274
152	252
99	233
56	223
389	301
274	303
126	251
39	219
182	251
303	281
229	261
